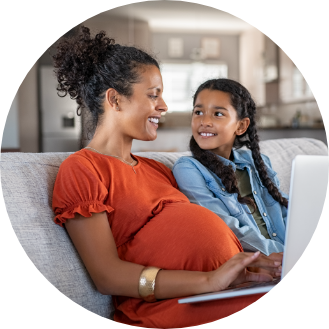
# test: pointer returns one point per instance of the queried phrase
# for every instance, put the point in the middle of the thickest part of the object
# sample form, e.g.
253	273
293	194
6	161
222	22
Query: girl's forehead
214	93
207	96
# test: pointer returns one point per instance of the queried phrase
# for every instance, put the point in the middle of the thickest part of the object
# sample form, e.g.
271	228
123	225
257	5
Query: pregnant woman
139	237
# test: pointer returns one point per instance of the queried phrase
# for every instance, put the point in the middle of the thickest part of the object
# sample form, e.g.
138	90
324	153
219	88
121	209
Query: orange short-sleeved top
153	224
89	182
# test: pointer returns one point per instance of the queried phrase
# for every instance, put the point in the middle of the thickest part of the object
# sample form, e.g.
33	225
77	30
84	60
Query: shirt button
255	192
274	234
264	214
223	189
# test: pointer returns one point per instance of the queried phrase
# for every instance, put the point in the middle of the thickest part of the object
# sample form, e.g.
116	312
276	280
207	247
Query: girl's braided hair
245	108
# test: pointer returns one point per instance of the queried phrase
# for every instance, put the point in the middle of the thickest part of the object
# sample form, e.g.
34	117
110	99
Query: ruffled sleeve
79	188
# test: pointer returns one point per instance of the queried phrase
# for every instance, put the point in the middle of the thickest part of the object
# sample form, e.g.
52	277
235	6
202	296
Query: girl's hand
276	256
234	271
275	272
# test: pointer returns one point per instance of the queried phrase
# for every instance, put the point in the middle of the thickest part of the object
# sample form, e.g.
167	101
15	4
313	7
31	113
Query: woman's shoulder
77	159
85	163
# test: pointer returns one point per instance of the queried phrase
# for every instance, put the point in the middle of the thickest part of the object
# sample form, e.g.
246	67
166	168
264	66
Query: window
299	84
181	81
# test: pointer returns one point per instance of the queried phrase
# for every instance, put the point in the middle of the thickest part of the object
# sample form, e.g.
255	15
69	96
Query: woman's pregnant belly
182	236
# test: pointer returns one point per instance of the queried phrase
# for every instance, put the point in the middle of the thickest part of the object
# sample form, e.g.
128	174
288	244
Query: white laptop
308	186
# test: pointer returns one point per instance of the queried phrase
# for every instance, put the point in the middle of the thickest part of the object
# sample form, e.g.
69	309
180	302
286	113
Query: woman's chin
148	138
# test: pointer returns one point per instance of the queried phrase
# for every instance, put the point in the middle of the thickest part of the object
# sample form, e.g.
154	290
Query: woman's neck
112	145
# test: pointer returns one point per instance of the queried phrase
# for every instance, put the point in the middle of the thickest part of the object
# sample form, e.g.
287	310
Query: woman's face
214	122
141	112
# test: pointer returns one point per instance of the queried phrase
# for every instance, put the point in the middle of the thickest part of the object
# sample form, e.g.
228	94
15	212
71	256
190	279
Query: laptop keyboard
253	285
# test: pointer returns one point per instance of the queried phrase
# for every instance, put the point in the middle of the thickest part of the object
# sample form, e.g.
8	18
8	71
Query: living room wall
22	126
10	137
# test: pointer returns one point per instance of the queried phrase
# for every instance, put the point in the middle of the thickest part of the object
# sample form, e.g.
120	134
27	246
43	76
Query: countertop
292	128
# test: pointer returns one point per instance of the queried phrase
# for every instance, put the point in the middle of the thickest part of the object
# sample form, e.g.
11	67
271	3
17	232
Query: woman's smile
154	121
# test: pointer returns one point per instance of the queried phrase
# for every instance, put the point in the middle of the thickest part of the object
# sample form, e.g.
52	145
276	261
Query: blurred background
193	43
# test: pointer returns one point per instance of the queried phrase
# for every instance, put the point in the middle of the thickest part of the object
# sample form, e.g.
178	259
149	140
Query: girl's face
141	112
215	123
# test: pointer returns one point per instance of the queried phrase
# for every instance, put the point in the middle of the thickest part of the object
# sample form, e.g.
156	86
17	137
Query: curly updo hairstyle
245	108
87	66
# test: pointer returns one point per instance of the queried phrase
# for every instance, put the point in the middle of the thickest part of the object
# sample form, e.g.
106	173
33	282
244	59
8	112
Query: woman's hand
234	271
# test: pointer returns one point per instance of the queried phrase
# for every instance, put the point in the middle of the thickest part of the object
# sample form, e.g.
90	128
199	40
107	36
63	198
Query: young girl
124	213
239	185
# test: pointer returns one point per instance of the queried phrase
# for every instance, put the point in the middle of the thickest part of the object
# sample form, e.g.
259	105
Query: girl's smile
215	123
205	134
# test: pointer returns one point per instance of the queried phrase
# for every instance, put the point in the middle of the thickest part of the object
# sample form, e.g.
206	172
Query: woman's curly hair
245	108
87	66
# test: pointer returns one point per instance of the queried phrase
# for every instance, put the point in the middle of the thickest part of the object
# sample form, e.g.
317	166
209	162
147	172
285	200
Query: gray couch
27	183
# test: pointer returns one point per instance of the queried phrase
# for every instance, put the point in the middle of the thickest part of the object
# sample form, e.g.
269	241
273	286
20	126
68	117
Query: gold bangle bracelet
147	283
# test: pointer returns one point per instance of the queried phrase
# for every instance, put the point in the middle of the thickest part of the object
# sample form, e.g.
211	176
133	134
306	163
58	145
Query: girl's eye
218	114
198	112
153	96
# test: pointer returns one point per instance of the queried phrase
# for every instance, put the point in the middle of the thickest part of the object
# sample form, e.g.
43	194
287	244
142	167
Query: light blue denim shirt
204	188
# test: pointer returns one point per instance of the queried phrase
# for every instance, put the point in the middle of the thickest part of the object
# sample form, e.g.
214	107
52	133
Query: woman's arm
191	182
95	244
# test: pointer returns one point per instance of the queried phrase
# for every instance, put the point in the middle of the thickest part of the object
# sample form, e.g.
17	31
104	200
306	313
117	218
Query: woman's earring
115	101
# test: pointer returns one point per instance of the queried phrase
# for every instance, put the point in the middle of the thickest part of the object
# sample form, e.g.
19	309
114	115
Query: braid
225	173
245	107
260	165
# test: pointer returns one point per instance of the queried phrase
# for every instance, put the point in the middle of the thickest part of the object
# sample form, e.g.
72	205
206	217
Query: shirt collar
238	160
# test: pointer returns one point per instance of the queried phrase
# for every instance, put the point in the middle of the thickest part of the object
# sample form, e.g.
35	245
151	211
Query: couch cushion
282	151
27	182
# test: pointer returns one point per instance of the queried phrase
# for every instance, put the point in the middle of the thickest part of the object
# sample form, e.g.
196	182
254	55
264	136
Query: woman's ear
242	126
111	99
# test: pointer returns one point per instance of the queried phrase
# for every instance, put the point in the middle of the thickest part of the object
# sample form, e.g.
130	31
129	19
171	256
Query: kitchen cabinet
275	133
